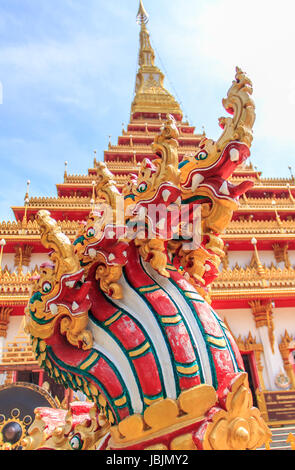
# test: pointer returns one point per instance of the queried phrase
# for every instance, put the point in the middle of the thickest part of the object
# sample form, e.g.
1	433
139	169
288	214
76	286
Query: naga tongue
238	190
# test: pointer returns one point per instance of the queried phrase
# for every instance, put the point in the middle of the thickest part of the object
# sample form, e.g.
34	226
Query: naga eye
46	287
76	443
202	155
142	187
90	232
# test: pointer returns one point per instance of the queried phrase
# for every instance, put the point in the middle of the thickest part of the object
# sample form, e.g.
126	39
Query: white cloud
72	71
204	41
258	36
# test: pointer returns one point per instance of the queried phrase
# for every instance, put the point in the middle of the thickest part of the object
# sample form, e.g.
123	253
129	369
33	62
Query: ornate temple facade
255	291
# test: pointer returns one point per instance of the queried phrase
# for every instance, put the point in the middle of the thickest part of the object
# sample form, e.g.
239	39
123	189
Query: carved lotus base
200	419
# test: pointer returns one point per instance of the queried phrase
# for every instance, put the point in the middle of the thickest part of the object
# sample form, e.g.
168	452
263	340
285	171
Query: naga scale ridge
123	313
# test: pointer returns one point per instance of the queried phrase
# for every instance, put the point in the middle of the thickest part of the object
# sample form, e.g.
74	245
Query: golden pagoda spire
150	94
142	16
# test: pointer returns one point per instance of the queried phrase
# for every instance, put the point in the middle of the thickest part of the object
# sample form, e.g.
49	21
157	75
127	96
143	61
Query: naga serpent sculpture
126	319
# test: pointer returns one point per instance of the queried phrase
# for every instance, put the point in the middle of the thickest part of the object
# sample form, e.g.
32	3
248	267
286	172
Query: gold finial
290	193
260	268
142	17
65	172
92	202
278	219
27	200
19	259
94	159
2	245
27	192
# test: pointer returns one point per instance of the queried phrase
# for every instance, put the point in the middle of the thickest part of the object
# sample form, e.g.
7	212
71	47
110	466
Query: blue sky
67	69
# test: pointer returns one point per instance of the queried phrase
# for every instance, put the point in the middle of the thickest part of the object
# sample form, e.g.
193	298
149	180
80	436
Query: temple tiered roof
266	212
256	283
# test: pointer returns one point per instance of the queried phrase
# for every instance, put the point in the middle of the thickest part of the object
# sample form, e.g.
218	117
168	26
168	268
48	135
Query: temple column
263	316
4	321
257	354
285	349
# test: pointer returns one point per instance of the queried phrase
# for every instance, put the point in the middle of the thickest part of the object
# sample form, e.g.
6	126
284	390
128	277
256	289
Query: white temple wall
243	258
8	259
36	259
12	330
291	254
13	327
241	322
284	319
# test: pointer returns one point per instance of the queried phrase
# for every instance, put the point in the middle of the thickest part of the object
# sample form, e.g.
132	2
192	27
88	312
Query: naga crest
122	314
